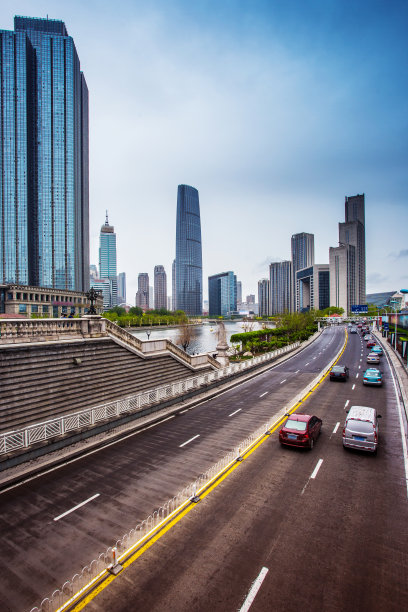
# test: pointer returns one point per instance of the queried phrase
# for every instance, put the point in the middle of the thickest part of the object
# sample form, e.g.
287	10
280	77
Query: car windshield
337	369
298	425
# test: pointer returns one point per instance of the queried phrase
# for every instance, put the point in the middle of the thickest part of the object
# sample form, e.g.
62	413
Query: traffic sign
359	308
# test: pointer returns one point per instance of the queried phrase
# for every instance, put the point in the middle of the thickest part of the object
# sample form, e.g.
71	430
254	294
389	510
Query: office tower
160	288
222	294
342	261
263	297
280	287
250	299
173	286
44	232
142	295
104	285
189	273
302	249
239	292
151	297
347	261
313	285
355	214
107	258
122	288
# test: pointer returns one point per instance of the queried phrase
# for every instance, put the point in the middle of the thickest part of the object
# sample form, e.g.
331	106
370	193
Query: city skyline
269	122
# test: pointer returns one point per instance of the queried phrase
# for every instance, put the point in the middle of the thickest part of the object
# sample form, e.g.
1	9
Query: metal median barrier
26	437
91	576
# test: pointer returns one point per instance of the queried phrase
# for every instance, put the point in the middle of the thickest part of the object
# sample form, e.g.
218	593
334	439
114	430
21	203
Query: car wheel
311	445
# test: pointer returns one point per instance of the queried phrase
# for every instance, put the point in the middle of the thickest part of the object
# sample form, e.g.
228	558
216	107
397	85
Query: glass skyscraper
222	294
44	218
107	259
302	247
189	270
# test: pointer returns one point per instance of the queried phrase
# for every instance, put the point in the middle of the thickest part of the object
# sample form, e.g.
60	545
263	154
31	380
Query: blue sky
274	111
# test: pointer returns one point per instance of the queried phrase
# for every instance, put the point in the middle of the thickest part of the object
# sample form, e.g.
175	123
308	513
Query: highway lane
336	541
116	487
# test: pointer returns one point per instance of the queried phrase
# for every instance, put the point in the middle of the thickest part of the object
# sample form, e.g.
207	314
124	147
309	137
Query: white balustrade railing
24	438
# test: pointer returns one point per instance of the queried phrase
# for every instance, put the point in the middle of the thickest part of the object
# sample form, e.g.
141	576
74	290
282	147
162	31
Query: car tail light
344	432
375	437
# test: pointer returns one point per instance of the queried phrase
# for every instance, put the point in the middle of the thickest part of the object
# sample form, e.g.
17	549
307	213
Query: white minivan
360	429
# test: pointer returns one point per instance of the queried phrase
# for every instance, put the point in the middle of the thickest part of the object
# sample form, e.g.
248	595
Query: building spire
106	220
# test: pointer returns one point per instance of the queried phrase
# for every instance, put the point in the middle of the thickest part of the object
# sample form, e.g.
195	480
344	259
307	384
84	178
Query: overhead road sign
359	308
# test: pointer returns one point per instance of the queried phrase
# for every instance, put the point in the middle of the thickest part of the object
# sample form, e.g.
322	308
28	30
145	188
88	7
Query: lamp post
148	332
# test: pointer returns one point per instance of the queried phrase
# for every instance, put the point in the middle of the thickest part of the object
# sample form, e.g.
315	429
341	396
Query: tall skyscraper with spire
107	259
44	229
189	269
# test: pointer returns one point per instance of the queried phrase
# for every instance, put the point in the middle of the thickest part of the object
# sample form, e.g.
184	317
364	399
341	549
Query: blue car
377	349
372	376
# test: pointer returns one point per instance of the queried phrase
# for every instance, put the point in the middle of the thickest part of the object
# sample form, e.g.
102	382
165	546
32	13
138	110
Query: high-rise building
302	248
280	287
222	294
93	272
107	258
239	292
189	272
314	287
348	260
160	288
250	299
122	288
173	286
142	295
263	297
355	214
44	208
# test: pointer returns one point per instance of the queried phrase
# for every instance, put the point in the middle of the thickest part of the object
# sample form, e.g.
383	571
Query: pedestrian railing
26	437
62	599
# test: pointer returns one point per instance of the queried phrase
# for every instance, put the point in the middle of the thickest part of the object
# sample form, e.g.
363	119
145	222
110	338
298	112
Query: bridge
243	510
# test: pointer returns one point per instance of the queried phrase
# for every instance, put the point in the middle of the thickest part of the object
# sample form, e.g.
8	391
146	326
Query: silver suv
361	429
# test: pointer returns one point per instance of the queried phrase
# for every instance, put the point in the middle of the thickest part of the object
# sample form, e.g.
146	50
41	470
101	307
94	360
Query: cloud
376	278
403	253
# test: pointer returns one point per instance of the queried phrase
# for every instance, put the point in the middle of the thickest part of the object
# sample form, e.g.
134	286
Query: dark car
371	343
339	373
300	430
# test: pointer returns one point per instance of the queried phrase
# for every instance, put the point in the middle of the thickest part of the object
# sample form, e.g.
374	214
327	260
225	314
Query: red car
370	343
300	430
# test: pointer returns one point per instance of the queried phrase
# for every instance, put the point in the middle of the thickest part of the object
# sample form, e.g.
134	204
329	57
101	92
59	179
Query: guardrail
26	437
64	598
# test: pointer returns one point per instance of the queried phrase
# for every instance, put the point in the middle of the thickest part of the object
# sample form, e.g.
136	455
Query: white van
360	430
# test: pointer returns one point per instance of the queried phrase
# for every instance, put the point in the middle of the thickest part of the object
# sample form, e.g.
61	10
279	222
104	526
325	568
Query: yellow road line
206	490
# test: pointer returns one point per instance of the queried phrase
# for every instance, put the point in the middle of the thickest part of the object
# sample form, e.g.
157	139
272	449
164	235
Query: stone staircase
44	380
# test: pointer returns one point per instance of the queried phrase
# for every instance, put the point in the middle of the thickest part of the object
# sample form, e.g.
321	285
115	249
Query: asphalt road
336	541
127	480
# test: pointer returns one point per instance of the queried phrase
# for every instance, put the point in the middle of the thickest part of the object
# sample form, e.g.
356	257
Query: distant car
370	344
373	358
373	376
361	429
339	373
353	330
300	430
377	349
367	337
360	325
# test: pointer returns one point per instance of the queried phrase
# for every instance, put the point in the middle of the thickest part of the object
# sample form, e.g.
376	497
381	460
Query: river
204	338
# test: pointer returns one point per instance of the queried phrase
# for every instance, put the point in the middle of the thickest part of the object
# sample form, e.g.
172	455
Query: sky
274	110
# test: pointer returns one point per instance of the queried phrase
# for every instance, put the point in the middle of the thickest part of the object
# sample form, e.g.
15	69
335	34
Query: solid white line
232	413
346	404
282	381
336	427
357	375
317	468
57	518
353	387
254	590
188	441
264	393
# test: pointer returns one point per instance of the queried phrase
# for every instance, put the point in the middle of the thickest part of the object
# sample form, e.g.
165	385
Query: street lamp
148	332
